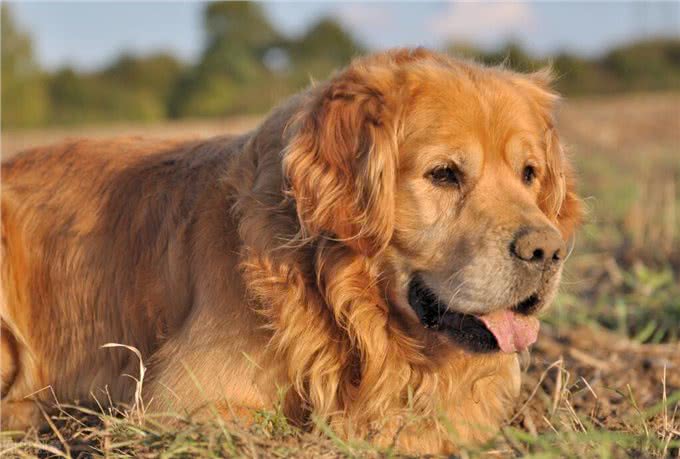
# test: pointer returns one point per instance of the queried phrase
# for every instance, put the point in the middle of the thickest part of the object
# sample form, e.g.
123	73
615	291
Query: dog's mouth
507	330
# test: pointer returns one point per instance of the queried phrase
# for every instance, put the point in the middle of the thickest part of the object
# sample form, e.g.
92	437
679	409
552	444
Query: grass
602	381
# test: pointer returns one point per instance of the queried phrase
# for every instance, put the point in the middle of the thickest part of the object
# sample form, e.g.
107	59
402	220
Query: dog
373	255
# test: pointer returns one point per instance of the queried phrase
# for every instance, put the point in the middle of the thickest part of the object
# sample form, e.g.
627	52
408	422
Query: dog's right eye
445	176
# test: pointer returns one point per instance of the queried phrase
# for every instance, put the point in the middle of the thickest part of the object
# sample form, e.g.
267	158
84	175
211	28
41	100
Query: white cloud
483	23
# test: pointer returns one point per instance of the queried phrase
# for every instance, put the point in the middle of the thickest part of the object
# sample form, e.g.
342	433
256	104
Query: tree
242	23
327	40
23	94
237	35
155	74
646	65
87	98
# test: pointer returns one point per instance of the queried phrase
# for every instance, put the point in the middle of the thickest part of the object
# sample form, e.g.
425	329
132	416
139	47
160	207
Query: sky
88	35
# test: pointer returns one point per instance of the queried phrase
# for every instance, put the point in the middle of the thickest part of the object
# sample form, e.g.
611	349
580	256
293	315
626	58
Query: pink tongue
514	332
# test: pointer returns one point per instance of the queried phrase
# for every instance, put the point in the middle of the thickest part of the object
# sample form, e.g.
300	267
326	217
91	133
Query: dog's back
94	237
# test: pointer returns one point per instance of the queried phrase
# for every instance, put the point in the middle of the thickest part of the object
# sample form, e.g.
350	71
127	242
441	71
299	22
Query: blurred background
87	62
195	69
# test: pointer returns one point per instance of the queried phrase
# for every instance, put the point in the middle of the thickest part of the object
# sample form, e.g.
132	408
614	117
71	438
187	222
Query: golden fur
276	262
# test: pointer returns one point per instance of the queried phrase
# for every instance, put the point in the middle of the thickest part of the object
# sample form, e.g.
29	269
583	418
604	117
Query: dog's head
450	177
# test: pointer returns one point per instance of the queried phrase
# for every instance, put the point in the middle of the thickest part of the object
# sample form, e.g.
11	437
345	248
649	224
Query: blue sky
90	34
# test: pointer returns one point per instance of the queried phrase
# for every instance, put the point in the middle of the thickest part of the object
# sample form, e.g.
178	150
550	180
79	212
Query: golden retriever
375	252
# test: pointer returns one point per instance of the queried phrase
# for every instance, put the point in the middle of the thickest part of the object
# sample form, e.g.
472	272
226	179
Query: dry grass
603	379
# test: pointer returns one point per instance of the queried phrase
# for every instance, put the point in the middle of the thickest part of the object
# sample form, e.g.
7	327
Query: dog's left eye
529	175
445	175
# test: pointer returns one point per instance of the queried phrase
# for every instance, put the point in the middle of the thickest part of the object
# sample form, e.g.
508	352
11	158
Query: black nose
538	246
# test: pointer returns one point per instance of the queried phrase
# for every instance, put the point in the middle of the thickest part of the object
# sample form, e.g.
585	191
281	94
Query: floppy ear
558	197
341	160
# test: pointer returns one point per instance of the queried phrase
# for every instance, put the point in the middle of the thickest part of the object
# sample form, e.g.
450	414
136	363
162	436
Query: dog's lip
529	305
509	329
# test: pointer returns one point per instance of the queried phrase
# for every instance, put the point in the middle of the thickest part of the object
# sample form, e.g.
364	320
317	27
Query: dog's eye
529	175
445	175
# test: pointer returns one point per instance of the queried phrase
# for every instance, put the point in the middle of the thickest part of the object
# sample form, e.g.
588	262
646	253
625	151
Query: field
603	379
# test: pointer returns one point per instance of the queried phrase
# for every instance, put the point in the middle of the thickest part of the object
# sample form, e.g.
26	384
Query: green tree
237	35
156	74
87	98
642	66
513	56
23	93
327	40
325	47
243	23
576	75
647	65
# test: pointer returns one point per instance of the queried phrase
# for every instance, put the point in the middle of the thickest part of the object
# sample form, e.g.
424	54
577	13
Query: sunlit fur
269	265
